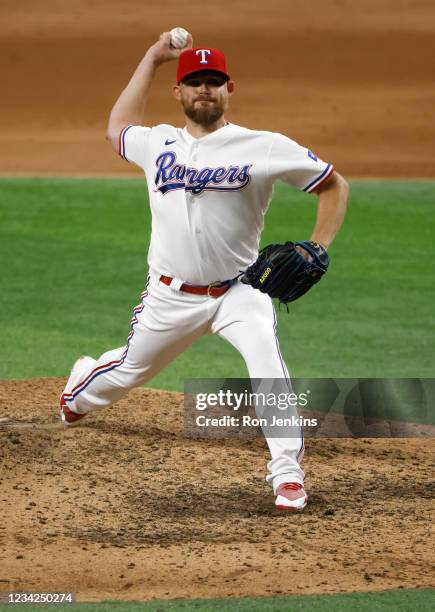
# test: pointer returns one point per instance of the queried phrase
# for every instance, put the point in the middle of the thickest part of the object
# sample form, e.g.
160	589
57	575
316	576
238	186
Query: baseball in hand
179	38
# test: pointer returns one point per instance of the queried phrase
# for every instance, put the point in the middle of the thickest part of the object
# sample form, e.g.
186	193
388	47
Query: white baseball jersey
209	195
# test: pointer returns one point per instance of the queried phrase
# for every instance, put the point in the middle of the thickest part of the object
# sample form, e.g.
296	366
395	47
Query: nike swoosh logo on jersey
168	142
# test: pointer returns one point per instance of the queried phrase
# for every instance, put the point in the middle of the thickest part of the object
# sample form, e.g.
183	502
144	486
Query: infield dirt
351	80
126	507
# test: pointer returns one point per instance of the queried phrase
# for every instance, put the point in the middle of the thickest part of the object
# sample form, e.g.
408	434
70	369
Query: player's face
204	96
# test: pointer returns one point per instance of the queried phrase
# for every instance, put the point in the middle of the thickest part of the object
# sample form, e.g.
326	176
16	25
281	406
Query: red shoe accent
294	486
68	415
293	491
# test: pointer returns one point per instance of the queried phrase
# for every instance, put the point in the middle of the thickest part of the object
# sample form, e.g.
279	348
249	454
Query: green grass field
405	600
74	254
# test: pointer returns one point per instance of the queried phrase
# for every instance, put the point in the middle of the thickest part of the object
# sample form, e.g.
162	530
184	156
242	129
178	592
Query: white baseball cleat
68	417
291	496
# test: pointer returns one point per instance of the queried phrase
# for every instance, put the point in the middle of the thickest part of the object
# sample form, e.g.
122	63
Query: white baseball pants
166	323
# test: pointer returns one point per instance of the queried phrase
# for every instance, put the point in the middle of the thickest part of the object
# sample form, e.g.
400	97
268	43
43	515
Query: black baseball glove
282	271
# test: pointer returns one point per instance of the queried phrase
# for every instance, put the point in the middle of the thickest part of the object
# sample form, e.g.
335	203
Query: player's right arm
129	109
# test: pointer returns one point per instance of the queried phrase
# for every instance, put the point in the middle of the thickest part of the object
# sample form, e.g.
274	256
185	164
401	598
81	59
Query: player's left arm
331	208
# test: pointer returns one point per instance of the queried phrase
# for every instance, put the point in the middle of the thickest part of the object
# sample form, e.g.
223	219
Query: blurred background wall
351	79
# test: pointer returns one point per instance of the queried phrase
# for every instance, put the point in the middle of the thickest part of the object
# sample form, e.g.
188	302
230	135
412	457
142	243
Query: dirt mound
126	507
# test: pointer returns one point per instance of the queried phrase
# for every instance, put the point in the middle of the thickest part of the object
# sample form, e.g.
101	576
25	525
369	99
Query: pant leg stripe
107	367
284	369
286	376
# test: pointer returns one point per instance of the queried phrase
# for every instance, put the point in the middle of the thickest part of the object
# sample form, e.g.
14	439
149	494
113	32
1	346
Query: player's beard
204	114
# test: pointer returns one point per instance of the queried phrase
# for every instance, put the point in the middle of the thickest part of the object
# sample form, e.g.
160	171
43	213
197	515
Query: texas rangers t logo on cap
204	53
200	59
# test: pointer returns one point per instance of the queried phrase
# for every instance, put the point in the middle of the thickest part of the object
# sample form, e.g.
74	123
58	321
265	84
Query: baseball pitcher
210	184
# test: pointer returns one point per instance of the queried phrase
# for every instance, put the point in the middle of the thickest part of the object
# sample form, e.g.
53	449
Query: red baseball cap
199	59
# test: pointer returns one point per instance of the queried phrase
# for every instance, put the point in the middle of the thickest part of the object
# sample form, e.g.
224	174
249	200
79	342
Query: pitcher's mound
125	507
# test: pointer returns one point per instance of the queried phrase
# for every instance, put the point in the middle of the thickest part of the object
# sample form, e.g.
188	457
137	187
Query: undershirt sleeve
296	165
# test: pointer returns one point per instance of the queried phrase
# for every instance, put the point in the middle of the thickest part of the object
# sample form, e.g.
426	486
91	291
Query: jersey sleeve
296	165
133	144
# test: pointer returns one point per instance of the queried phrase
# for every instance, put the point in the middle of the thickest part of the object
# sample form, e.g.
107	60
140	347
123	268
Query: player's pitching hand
162	51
